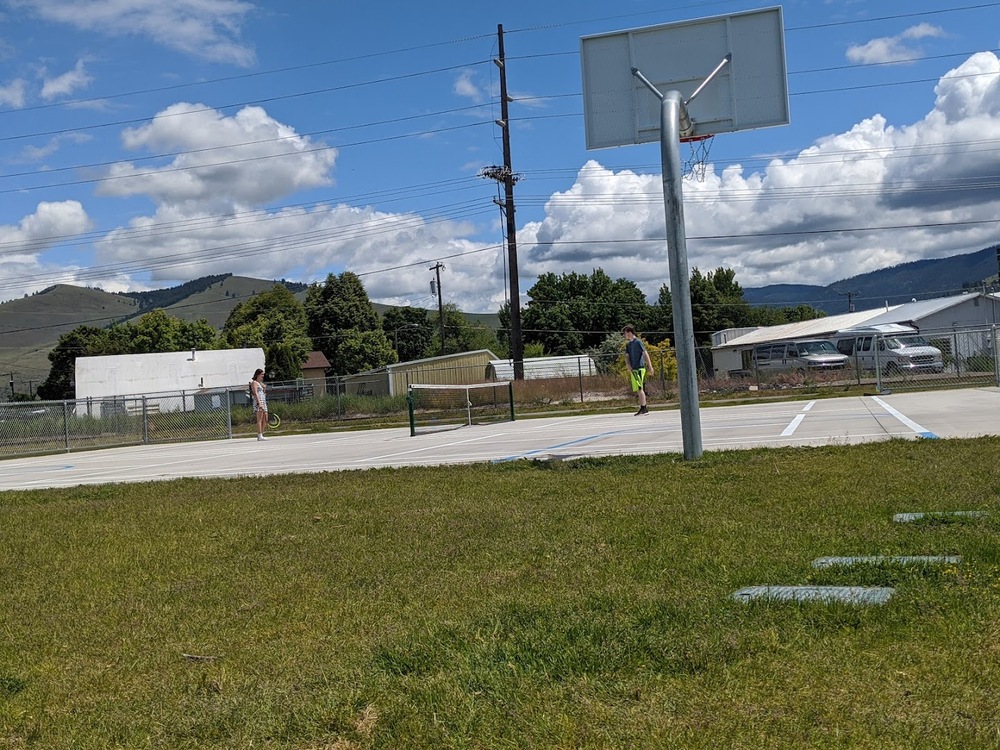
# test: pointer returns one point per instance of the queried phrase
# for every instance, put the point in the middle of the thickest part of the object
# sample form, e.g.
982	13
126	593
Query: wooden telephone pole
506	175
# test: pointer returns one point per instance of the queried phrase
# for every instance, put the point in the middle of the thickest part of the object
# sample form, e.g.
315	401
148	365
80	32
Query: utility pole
516	345
850	299
437	270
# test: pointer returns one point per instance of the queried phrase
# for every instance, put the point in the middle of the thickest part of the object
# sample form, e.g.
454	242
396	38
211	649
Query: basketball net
696	163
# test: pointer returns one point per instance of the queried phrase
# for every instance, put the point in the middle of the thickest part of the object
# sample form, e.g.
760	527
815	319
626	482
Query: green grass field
525	605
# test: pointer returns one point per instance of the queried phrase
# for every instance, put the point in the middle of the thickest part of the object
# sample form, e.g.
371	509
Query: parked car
22	413
812	354
893	353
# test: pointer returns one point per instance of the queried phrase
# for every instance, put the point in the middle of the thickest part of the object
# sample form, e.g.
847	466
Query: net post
510	395
468	405
409	407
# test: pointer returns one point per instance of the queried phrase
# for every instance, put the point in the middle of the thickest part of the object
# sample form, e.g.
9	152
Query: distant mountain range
920	279
30	327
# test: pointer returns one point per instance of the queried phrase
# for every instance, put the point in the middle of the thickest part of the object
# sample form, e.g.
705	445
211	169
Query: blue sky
144	144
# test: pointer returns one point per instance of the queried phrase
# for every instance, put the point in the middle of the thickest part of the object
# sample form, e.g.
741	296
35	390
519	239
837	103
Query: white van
893	349
811	354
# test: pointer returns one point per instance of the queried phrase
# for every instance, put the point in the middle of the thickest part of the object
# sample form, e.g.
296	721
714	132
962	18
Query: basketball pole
672	110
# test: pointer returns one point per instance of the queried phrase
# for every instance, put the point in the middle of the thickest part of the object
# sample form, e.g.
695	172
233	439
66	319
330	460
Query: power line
249	102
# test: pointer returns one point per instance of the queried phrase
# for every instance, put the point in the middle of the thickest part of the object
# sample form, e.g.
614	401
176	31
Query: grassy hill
31	326
215	302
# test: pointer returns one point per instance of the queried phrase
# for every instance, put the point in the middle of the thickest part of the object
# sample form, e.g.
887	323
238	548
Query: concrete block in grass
860	595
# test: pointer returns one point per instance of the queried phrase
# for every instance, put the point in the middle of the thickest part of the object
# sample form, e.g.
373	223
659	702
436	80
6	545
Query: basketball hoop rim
696	138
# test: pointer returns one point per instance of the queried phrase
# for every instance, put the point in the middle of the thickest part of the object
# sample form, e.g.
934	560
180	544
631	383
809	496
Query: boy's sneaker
261	437
642	410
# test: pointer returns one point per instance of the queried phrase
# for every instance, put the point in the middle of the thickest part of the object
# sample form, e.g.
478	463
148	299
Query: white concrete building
171	373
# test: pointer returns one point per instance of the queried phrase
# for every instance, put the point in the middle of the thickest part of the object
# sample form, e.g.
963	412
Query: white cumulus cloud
873	196
247	159
13	93
67	83
466	87
888	49
208	29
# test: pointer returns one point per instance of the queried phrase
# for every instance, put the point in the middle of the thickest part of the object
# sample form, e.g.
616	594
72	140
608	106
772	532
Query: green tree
717	303
357	350
460	334
157	332
410	331
573	312
661	316
276	322
336	310
82	341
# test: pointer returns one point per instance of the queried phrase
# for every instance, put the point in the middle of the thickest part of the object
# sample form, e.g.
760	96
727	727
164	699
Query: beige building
393	380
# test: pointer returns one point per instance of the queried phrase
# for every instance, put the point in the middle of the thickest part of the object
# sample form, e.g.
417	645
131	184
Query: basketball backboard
750	92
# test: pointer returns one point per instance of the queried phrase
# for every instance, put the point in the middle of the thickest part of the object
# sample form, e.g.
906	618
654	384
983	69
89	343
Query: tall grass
525	605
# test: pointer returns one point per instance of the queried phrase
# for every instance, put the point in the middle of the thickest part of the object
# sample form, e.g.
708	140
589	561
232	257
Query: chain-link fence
877	361
882	361
50	426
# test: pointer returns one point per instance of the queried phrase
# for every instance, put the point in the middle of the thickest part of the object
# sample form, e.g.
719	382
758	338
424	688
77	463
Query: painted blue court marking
547	449
924	433
43	468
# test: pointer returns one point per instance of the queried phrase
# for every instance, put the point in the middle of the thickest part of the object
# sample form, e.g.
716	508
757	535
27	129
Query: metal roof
923	308
822	327
805	329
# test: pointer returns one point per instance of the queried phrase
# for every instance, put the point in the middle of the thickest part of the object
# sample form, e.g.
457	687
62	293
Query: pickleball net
447	407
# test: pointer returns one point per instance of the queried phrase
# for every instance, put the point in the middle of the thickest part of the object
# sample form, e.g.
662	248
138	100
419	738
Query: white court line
904	419
425	448
794	425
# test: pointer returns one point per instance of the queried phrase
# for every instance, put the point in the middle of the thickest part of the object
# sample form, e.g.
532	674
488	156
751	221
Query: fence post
954	354
145	423
229	413
579	373
66	423
995	333
878	364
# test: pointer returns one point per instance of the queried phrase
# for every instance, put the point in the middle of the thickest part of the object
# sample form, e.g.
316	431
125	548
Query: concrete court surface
838	421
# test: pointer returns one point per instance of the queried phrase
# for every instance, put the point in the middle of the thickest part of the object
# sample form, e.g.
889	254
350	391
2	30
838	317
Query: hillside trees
343	325
276	322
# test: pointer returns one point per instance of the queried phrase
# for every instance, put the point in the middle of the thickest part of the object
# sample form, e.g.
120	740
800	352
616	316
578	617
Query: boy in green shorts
638	362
